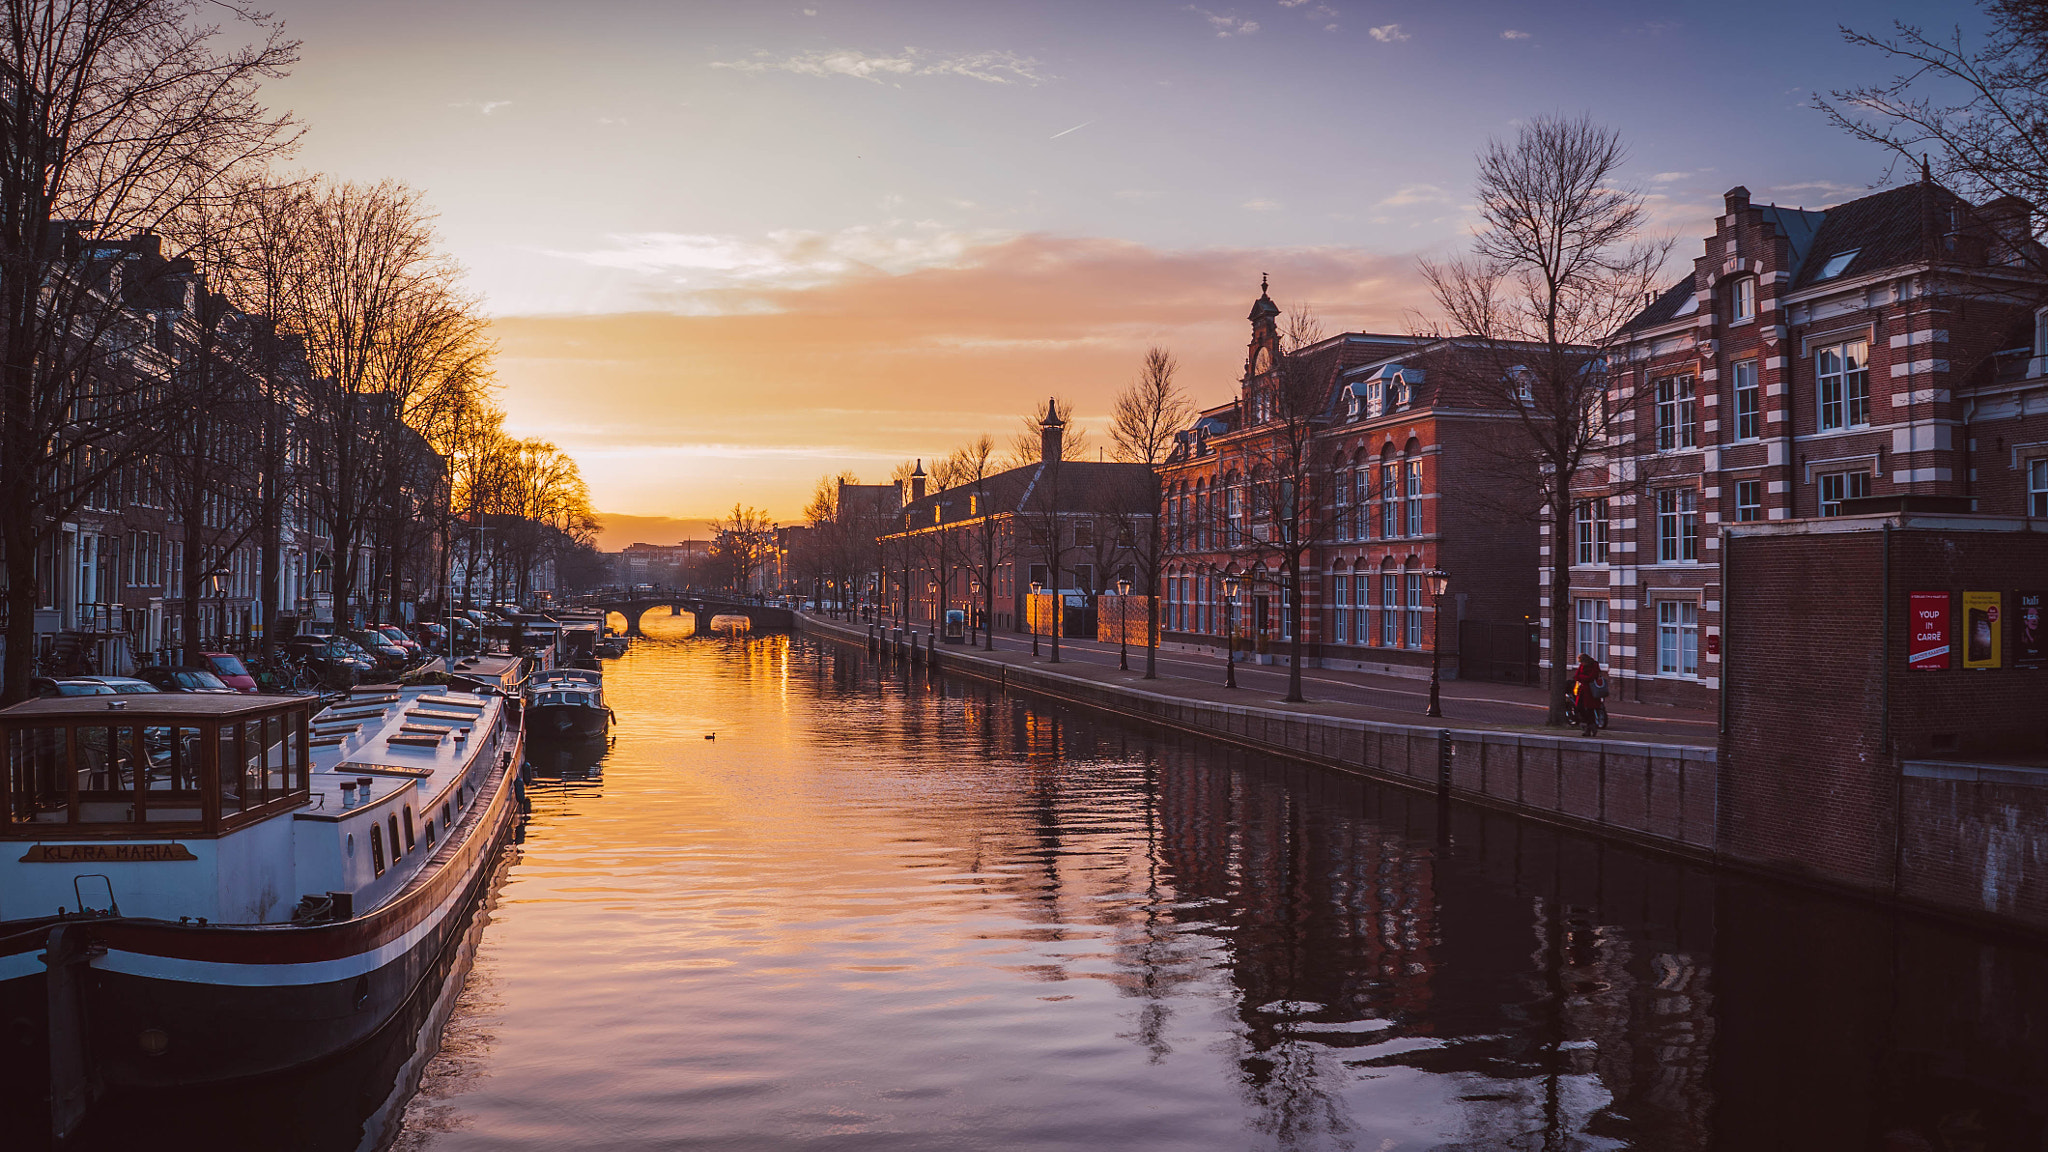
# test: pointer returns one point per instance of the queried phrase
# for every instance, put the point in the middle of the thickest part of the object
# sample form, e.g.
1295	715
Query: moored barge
198	889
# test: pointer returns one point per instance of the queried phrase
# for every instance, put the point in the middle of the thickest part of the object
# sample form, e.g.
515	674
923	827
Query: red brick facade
1878	348
1395	448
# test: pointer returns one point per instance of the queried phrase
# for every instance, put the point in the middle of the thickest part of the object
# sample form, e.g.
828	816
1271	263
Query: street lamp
1123	654
974	590
1031	614
217	580
1438	581
1230	631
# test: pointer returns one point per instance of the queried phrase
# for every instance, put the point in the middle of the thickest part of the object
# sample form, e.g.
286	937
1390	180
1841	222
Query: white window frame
1742	302
1340	608
1590	531
1749	411
1850	386
1678	637
1678	525
1591	613
1413	638
1390	609
2037	487
1677	401
1753	488
1411	473
1836	487
1390	501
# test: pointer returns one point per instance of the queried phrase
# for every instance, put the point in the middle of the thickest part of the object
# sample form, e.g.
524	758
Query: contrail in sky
1075	128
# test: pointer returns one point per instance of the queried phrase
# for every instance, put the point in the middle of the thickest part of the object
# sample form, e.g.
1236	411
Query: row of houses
1889	352
186	527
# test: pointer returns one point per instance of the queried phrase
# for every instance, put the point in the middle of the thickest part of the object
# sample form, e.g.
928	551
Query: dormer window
1351	405
1742	299
1837	264
1375	399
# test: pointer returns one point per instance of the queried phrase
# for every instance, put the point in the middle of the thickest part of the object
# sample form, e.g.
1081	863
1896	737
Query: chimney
917	481
1051	432
1738	199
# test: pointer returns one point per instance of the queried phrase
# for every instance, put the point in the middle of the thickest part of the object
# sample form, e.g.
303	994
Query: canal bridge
703	606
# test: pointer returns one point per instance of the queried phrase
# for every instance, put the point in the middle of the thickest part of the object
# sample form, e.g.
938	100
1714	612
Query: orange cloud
757	392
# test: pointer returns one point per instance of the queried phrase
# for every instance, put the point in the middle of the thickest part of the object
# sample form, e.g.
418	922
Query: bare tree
1973	115
1559	265
117	113
1143	421
382	321
744	538
1288	517
987	547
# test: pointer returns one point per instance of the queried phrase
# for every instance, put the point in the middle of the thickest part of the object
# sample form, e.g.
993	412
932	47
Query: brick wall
1842	763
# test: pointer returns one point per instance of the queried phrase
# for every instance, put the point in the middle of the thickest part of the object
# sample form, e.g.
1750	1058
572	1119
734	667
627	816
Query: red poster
1927	614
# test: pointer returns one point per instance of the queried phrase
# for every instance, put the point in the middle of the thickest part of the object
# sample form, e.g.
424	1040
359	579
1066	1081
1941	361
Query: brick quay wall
1660	796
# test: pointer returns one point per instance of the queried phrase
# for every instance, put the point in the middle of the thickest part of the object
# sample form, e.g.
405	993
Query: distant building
1069	526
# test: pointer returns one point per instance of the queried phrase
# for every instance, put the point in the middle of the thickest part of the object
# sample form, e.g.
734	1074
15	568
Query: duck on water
203	889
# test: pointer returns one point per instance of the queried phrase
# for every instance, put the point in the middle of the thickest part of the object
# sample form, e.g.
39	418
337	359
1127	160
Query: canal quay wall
1883	719
1661	796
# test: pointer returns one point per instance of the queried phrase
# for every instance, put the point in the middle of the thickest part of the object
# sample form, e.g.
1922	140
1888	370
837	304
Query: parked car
230	669
185	678
387	654
123	685
328	660
68	686
396	635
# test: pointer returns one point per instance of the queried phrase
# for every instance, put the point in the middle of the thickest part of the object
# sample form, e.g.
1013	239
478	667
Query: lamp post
1230	631
1031	614
217	580
1438	581
974	627
1123	654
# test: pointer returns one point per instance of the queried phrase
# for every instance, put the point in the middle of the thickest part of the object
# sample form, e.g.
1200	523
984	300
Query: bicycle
1589	720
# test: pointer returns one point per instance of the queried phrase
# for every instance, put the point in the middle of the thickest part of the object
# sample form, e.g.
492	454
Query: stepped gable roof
1882	229
1665	308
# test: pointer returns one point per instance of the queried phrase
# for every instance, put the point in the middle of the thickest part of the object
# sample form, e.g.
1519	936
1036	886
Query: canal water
806	901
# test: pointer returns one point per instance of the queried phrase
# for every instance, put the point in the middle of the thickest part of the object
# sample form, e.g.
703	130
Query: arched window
1390	493
1390	604
1411	614
1411	487
1340	603
1234	513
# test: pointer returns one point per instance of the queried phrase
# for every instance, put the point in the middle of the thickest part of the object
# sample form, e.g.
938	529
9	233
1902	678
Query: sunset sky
731	247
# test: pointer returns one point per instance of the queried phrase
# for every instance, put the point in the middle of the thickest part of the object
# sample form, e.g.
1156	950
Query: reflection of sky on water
878	914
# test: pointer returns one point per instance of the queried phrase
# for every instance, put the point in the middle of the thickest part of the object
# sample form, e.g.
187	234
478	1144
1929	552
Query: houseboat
202	888
566	704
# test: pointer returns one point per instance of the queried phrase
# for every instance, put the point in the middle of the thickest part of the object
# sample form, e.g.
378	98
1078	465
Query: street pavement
1374	696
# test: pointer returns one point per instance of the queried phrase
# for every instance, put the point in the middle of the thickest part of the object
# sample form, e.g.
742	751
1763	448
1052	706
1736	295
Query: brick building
1399	473
1886	346
1073	527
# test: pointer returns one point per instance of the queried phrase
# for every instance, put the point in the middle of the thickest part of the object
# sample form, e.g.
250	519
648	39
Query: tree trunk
1152	599
21	612
1294	695
1560	604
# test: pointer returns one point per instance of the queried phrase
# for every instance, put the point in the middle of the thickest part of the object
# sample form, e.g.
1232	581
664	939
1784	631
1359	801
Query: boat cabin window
408	828
395	853
376	848
192	774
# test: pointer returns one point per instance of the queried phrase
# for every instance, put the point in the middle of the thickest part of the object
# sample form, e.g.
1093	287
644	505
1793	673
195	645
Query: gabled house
1810	363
